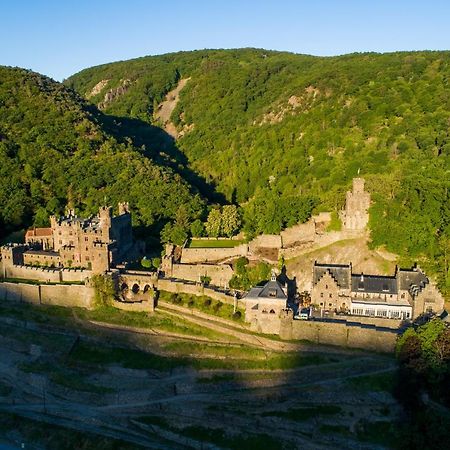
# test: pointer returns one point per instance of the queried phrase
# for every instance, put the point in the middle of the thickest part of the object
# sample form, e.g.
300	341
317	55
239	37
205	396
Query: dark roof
271	289
412	280
374	283
340	272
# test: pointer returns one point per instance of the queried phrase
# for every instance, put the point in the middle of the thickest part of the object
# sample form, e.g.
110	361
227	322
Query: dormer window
272	293
385	287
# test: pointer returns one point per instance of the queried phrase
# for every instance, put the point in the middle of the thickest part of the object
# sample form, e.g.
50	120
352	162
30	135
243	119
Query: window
272	311
330	304
272	293
326	286
403	295
331	295
321	294
264	311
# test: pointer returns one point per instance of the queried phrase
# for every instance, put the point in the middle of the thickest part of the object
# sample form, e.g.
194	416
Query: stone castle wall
198	255
220	273
304	232
46	275
265	241
40	294
344	334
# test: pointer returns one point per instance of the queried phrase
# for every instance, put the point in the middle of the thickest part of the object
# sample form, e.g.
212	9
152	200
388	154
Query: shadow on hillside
206	399
159	146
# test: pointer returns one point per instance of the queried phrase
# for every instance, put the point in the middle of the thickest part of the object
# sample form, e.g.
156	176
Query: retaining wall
47	275
304	232
220	273
346	334
41	294
193	255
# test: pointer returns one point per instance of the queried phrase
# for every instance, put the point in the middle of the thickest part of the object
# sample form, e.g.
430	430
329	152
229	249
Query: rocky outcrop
114	93
97	88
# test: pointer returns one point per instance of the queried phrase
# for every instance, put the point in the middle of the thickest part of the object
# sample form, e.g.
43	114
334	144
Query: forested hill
55	151
269	126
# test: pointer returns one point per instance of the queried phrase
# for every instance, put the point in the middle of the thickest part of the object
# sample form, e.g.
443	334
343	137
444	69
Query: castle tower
356	215
124	208
105	216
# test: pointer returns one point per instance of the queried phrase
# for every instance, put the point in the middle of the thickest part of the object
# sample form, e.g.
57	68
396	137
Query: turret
124	208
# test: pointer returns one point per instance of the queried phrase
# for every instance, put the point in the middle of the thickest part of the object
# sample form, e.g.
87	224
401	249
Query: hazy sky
59	38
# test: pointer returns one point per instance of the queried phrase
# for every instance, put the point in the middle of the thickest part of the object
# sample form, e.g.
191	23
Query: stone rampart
51	294
265	241
198	255
344	334
220	273
67	295
47	275
303	232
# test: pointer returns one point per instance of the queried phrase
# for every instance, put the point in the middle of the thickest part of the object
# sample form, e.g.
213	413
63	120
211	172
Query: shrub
237	315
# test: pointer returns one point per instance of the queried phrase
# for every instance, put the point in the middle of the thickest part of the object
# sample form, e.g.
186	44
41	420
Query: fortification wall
47	275
20	292
198	290
196	255
304	232
32	273
58	294
67	295
74	275
343	334
265	241
220	273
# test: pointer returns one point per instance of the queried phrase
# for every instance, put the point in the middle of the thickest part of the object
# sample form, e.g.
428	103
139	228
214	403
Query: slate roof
374	283
270	290
412	280
340	272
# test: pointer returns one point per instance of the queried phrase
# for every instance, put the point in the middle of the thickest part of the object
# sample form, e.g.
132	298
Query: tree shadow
159	146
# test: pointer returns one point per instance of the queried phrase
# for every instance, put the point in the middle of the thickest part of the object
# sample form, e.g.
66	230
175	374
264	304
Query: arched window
124	287
272	311
135	288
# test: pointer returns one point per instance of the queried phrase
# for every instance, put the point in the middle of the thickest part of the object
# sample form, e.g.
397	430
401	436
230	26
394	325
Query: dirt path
238	332
166	108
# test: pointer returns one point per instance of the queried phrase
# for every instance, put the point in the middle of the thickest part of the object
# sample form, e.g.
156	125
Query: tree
213	224
231	221
197	228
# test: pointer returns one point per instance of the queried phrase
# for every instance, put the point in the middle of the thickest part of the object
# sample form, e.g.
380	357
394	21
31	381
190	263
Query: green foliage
146	263
205	280
67	155
197	228
424	357
213	225
270	126
247	276
231	221
104	290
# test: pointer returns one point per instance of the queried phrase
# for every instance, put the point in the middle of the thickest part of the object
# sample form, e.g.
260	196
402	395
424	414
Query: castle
405	295
96	243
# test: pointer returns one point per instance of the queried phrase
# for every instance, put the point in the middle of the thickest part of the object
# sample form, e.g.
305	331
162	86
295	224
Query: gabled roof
340	272
271	290
39	232
377	284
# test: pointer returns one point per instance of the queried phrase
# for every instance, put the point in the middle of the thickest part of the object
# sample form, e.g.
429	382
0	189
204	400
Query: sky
60	38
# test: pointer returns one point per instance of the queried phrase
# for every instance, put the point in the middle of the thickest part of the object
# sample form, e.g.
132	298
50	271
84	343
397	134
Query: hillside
272	128
57	150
